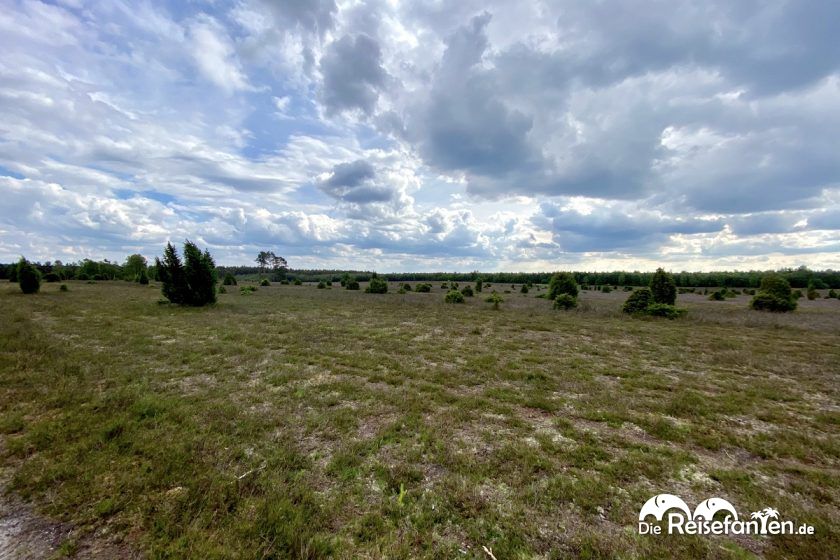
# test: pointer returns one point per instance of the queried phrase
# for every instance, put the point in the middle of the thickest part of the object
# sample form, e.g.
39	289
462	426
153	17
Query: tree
28	277
263	259
639	301
774	295
812	291
663	287
478	285
377	285
562	283
134	264
192	282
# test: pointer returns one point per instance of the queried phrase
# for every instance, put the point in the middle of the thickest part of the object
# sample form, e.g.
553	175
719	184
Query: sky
437	135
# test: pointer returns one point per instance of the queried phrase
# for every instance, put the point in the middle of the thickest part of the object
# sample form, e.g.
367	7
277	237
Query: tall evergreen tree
663	287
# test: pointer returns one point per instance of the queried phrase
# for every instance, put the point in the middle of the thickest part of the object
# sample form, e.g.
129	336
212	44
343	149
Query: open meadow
296	422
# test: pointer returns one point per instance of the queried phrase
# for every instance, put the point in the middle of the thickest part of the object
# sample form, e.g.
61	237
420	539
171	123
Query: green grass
303	423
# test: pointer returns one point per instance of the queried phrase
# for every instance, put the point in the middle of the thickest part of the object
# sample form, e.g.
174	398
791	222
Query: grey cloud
354	183
353	74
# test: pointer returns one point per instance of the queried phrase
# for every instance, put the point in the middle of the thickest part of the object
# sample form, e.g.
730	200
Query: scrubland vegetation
305	423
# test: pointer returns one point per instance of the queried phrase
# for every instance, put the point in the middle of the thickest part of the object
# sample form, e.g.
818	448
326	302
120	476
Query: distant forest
106	270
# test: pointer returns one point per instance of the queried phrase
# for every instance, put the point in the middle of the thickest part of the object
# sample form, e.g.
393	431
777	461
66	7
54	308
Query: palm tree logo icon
764	515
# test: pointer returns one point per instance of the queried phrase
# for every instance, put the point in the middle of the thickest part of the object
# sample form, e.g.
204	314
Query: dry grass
304	423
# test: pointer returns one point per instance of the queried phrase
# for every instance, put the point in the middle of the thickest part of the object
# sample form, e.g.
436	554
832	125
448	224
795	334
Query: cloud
214	55
353	74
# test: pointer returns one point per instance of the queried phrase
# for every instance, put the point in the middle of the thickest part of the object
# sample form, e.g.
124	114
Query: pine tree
663	287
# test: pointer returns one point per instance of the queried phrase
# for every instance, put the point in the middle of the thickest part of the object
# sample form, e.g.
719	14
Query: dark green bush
192	282
524	289
717	296
478	286
664	310
606	289
774	295
812	292
322	285
454	296
51	277
351	284
229	280
377	286
562	283
423	288
29	278
467	291
565	301
638	301
245	290
406	287
143	277
265	283
832	294
63	288
297	282
663	287
222	289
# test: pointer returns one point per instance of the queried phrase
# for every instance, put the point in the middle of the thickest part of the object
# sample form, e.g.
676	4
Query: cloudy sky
427	135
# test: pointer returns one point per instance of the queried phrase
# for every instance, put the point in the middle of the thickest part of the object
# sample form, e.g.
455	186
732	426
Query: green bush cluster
467	291
28	277
774	295
377	286
246	290
352	284
192	282
423	288
565	302
656	300
562	283
454	296
229	280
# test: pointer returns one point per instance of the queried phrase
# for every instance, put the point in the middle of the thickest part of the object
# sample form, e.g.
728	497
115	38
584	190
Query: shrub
63	288
812	292
377	286
28	277
638	301
297	282
329	283
245	290
478	286
401	291
630	289
222	289
444	286
495	299
143	277
797	294
467	291
717	296
832	294
423	288
774	295
454	296
565	302
322	285
265	283
192	282
664	310
230	280
562	283
663	287
524	289
351	284
51	277
606	289
406	287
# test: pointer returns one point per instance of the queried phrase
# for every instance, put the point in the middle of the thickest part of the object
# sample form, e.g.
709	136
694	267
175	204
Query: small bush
63	288
51	277
664	310
524	289
717	296
329	283
401	291
322	285
377	286
812	292
246	290
406	287
832	294
467	291
265	283
797	294
495	299
606	289
29	278
478	286
222	289
565	302
562	283
423	288
774	295
638	301
229	280
297	282
454	296
143	277
663	287
351	284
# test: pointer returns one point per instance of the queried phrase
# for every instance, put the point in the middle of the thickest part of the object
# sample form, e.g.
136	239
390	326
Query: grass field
303	423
